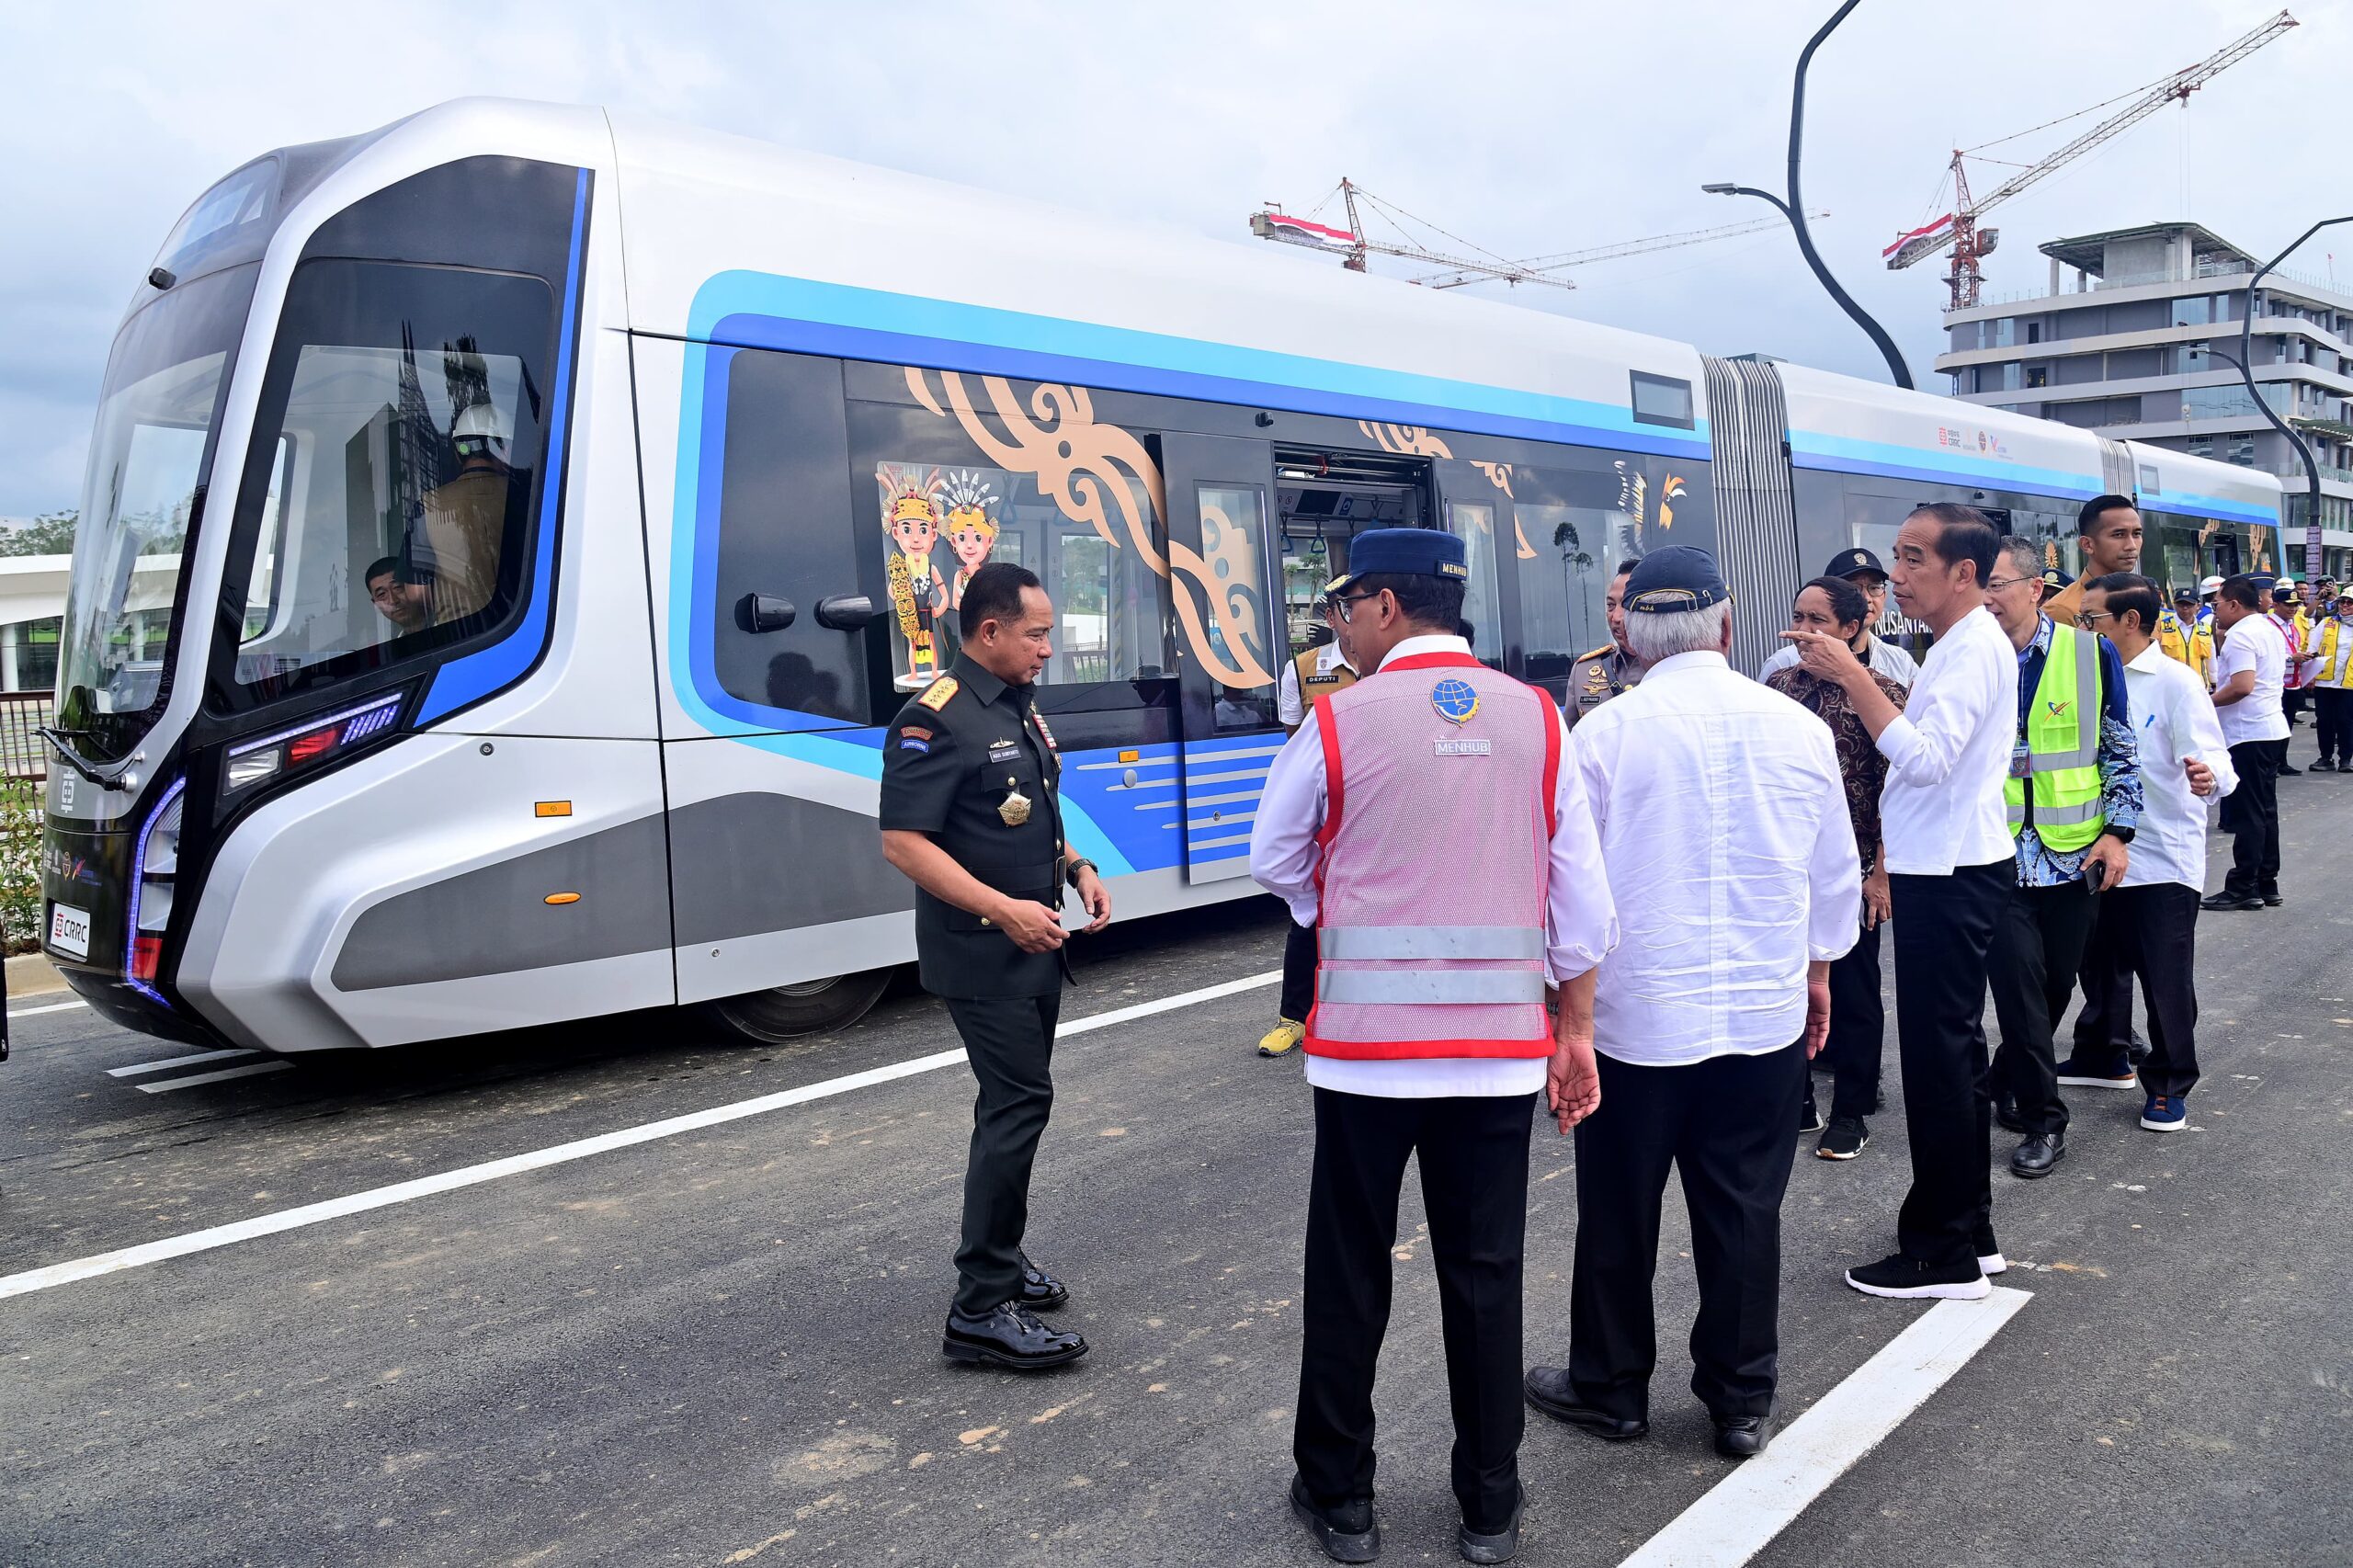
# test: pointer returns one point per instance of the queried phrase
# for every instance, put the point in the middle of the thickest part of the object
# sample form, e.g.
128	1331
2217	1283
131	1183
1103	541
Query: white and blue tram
507	530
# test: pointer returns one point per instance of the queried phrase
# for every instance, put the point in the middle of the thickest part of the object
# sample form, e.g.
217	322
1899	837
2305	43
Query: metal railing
23	753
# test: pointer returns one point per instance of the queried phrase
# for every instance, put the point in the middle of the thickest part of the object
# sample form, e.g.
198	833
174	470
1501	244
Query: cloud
1524	128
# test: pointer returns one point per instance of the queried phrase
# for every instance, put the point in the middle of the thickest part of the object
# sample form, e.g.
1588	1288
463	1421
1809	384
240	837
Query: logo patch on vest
2058	709
1456	701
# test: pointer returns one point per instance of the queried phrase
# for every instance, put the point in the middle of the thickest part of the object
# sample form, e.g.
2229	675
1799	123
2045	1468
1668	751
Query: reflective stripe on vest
2062	746
1358	942
1431	987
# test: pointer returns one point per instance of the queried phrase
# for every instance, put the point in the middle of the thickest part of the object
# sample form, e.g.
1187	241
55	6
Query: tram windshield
150	458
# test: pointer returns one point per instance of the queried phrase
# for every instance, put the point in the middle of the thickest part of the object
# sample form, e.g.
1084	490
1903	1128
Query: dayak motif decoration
1091	472
912	507
1405	440
972	528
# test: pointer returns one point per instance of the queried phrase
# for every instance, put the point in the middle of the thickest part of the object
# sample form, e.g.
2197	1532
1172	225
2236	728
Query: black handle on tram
764	612
846	612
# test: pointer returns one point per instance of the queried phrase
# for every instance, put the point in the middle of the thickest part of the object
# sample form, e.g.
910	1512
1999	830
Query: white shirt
2174	720
2253	643
1884	656
1581	922
1949	752
1721	801
1289	706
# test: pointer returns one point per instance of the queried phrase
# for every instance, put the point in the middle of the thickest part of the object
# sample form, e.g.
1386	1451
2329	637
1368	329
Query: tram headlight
256	760
154	869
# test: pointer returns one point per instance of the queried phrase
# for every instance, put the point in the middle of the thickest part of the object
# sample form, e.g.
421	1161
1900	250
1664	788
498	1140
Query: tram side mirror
764	612
845	612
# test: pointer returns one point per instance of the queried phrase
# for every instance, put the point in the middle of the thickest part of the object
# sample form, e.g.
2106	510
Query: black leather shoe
2229	900
1347	1534
2271	900
1040	1291
1009	1336
1549	1390
2006	1112
1746	1436
1493	1546
2287	772
2034	1158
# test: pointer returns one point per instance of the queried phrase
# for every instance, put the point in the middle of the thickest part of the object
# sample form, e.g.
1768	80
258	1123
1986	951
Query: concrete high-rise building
2122	342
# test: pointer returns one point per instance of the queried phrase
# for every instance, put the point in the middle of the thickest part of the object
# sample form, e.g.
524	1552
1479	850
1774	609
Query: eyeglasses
1342	601
1998	582
2085	617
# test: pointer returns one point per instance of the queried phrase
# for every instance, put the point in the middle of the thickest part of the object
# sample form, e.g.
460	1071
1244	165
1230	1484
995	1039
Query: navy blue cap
2054	578
1403	553
1679	577
1849	561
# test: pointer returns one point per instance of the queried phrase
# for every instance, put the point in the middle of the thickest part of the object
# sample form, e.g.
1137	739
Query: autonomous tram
506	531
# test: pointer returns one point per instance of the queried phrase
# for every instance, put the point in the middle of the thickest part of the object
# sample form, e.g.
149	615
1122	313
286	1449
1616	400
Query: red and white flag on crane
1308	230
1928	234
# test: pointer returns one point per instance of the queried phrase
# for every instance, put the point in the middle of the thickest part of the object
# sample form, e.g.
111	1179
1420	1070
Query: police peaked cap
1402	552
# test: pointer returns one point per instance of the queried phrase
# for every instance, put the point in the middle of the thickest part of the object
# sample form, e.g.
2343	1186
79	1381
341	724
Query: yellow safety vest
2192	645
2330	630
2062	746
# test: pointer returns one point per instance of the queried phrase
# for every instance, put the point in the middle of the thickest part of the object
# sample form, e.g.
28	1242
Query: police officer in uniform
970	813
1318	671
1610	669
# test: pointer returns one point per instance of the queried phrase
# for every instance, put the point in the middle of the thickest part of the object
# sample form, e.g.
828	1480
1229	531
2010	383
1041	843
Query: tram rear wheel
813	1006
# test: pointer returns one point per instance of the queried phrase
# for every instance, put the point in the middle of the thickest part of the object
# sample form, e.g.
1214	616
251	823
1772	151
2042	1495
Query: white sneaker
1993	1262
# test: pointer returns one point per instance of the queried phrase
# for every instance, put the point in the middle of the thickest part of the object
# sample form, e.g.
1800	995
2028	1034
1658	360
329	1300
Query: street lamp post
2304	449
1794	207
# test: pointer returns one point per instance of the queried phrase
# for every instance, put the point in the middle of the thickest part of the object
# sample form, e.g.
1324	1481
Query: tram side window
1575	524
411	424
1074	502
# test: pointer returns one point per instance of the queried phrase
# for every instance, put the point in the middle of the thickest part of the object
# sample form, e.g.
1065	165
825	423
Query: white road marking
222	1076
137	1068
52	1008
89	1268
1740	1513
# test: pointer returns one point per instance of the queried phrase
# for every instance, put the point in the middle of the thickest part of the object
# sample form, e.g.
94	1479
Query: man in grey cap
1860	567
1721	801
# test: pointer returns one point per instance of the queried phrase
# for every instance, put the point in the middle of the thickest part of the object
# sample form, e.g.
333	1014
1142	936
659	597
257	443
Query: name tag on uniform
1005	751
2021	762
1464	748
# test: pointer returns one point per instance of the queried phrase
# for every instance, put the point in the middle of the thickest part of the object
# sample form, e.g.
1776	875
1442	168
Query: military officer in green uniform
1598	676
971	815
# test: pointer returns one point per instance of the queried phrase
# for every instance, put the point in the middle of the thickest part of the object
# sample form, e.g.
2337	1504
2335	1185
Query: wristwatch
1082	864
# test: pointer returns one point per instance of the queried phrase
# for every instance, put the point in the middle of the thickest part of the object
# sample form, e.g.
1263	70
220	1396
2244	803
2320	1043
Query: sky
1526	129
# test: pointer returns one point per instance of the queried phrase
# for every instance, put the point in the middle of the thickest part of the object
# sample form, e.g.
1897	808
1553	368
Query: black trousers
2149	933
1724	1124
1474	1156
2291	702
1944	931
2037	950
2253	810
1299	973
2333	720
1011	1043
1857	1026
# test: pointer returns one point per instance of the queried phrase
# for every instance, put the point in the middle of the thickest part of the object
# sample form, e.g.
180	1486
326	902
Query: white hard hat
2283	582
481	423
2210	585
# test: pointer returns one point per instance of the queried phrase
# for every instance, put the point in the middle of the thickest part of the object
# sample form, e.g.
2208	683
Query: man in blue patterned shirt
2073	848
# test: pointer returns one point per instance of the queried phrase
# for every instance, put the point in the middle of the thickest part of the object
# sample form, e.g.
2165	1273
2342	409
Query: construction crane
1959	228
1352	245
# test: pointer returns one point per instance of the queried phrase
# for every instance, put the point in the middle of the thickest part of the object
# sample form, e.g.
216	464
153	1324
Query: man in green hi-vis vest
2073	796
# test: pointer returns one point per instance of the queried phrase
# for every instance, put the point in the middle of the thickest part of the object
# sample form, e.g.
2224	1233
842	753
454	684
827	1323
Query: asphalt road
723	1347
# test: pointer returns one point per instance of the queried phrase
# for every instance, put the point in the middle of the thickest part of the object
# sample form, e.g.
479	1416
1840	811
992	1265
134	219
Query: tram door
1226	595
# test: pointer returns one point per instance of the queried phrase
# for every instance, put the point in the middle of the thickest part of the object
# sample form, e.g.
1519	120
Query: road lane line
1740	1513
52	1008
89	1268
222	1076
137	1068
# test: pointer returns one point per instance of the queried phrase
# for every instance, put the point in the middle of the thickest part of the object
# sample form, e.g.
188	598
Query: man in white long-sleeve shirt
1951	866
2148	926
1721	801
1424	822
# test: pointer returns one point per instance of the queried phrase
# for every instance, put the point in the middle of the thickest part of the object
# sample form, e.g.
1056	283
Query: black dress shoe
1493	1546
1347	1534
1746	1436
1040	1291
2006	1112
1009	1336
1549	1390
2271	900
2229	900
2034	1158
2287	772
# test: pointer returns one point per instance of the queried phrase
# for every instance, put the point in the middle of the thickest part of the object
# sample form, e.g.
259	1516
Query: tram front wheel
813	1006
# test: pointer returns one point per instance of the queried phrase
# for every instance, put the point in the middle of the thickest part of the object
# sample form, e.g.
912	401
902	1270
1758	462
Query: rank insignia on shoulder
935	696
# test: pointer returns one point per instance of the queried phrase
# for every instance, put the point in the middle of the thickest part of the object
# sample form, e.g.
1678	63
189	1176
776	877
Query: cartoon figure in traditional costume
911	514
972	532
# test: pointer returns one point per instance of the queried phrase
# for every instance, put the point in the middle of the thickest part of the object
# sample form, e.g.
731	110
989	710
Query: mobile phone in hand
2095	875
